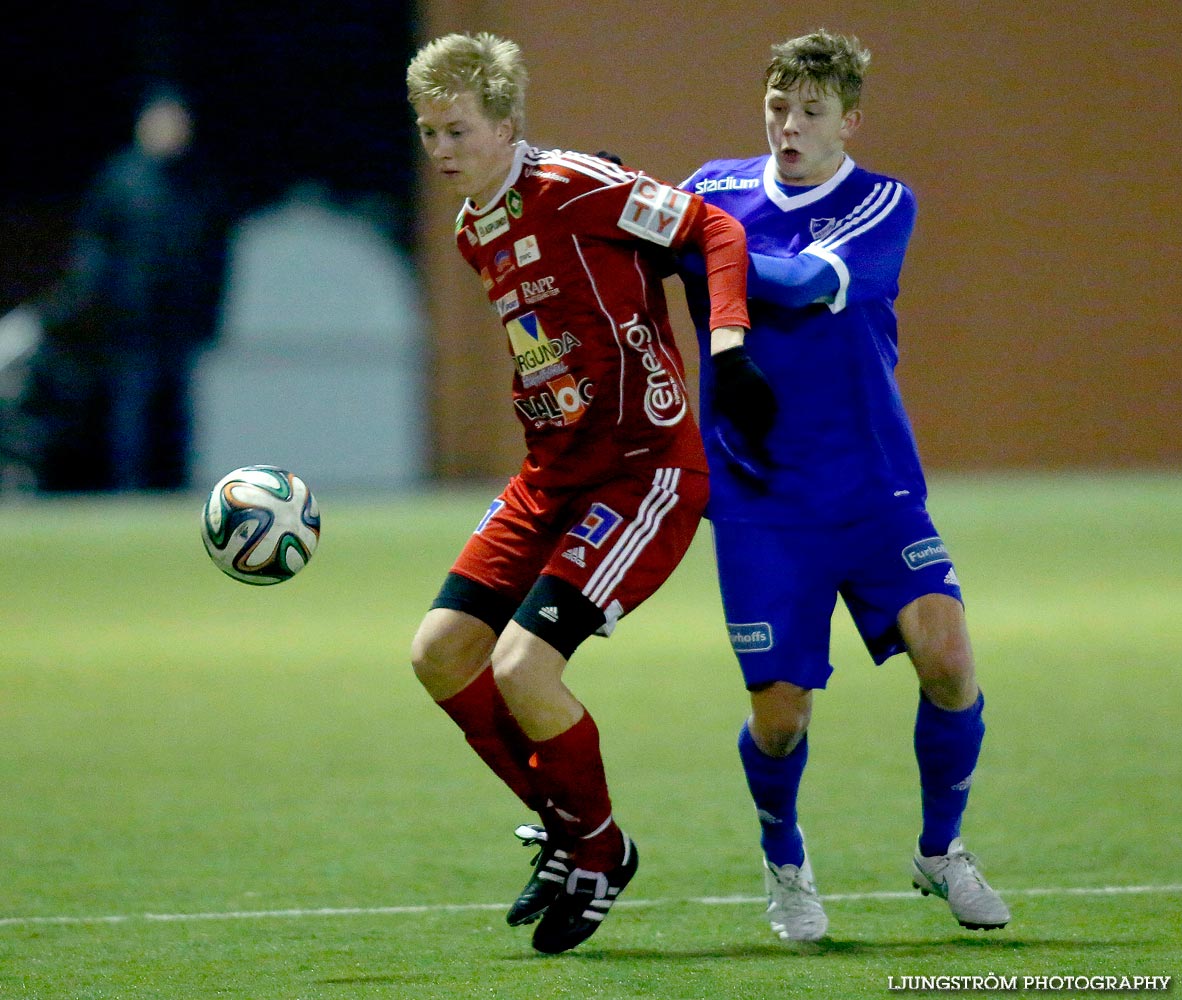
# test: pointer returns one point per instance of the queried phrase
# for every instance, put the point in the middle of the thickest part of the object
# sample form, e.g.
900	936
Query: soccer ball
260	524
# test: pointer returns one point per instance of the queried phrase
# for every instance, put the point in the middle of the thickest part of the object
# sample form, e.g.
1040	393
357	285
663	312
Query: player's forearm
723	245
791	282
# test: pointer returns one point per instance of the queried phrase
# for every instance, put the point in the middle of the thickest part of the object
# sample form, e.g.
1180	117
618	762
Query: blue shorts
780	585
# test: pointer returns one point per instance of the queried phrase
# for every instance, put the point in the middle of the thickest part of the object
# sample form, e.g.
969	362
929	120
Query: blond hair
492	68
834	64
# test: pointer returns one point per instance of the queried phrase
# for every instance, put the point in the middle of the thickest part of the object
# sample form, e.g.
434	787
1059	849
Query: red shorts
616	542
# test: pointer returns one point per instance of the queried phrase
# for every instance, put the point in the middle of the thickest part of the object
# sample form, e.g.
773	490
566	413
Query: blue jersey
822	286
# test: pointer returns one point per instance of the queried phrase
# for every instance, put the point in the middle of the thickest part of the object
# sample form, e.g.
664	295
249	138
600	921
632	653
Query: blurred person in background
109	388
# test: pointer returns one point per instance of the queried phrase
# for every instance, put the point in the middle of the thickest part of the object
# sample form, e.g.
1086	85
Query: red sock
569	771
487	724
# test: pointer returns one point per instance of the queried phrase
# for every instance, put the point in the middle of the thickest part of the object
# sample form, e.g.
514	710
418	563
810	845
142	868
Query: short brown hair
835	64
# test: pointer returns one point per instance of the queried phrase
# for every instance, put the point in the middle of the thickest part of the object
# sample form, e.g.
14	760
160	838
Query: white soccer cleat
954	877
793	906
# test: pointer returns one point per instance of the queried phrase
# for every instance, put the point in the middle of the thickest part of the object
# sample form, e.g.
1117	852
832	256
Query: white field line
368	911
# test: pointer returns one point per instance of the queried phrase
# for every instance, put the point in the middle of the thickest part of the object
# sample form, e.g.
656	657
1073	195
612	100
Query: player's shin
947	745
774	783
568	771
489	727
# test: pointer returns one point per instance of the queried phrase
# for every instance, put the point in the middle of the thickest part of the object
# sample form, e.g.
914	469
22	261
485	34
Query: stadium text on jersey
726	184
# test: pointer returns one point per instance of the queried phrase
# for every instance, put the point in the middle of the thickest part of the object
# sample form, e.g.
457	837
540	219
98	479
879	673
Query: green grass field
212	790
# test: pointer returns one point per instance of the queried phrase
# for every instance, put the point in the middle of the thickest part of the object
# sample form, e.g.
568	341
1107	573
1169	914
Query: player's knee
778	741
780	716
526	668
518	675
448	650
948	677
510	673
424	656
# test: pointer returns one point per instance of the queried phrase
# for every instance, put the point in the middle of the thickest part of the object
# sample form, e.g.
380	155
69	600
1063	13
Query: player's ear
850	122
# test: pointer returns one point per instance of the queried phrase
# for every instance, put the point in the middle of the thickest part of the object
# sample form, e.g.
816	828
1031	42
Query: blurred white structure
20	335
319	366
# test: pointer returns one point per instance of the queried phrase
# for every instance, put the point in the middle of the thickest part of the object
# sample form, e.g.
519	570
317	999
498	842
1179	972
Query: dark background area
281	93
1040	303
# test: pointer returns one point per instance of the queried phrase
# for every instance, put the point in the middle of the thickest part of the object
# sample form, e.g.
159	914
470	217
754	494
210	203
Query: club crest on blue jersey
820	228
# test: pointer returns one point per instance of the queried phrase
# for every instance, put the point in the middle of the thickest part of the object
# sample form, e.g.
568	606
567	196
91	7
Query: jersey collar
789	202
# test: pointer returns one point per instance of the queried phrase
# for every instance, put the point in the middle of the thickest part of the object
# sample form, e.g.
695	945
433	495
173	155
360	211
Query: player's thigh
449	649
528	672
894	560
937	637
778	590
623	539
494	571
501	559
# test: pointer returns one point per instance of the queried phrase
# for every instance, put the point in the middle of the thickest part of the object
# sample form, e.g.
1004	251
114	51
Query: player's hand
743	395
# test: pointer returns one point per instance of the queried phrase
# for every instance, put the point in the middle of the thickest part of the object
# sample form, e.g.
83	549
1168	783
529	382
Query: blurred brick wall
1040	305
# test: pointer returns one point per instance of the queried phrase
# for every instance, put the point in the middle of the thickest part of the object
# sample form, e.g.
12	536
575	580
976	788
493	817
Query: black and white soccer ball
260	524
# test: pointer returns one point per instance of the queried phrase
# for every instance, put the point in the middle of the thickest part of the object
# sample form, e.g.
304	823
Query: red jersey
565	254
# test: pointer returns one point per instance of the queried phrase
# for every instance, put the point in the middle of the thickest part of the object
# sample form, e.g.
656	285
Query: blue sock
774	783
947	745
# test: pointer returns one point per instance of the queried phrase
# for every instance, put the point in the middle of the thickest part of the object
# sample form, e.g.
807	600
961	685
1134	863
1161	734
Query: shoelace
791	881
536	836
967	861
532	836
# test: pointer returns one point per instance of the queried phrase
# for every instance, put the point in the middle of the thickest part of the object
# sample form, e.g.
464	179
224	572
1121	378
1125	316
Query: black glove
603	154
743	395
750	464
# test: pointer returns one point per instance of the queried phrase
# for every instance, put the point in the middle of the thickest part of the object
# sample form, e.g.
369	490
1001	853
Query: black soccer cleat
551	867
583	903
